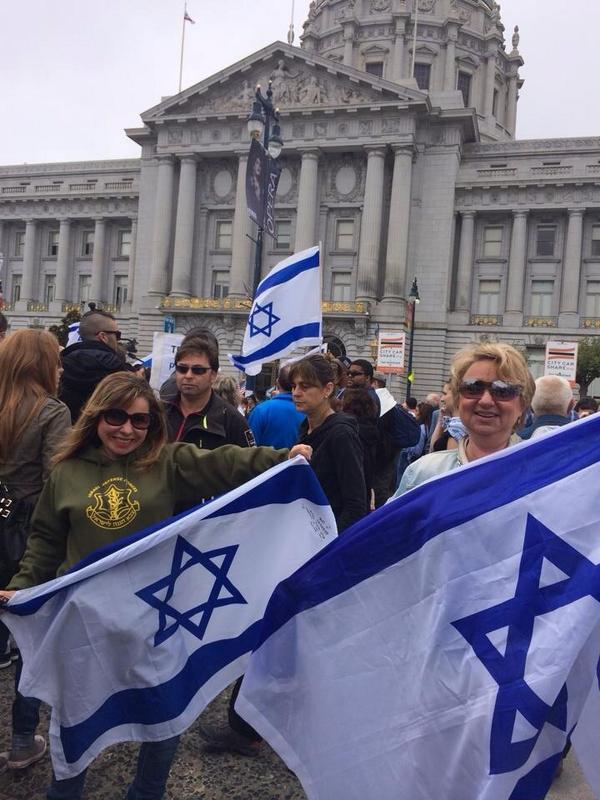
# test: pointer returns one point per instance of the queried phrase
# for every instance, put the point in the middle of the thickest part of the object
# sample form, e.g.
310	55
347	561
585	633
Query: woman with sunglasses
491	389
114	476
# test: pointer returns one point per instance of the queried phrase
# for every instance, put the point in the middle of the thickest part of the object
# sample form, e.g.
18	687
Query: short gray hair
553	395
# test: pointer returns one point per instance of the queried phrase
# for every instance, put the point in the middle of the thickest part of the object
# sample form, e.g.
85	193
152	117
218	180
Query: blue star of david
260	313
518	615
195	558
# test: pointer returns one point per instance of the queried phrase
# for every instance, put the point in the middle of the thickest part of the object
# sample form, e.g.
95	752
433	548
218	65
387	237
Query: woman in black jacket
337	450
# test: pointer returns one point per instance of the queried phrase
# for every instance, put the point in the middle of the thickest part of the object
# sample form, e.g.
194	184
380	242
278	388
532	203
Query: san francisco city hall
397	176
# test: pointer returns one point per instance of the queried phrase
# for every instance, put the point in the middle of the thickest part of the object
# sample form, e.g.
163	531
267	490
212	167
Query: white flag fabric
133	644
286	312
73	337
446	645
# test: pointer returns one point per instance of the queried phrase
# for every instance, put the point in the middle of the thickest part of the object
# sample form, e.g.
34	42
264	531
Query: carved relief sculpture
377	6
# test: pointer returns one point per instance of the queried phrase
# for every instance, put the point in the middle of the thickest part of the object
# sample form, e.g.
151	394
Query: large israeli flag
285	314
447	645
135	642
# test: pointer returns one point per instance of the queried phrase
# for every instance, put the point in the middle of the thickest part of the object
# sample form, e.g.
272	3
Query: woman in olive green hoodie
114	476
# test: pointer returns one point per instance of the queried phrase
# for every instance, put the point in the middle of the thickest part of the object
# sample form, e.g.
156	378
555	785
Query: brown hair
29	362
359	403
316	370
197	345
118	390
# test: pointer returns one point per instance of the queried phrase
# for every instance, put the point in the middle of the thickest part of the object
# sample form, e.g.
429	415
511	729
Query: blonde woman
32	424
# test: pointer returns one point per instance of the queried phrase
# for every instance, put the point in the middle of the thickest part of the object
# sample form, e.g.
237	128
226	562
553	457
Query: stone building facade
398	170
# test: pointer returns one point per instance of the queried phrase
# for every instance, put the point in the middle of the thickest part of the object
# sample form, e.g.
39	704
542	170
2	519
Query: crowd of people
78	421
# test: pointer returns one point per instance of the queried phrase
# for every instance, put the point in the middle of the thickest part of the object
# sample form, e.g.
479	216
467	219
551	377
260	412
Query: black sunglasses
196	369
114	333
499	390
117	417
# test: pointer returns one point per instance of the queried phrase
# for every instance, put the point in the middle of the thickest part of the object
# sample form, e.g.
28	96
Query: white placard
164	347
561	359
390	351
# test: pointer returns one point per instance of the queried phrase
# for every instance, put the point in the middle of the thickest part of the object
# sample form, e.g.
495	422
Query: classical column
370	229
490	83
161	236
184	229
29	261
397	244
62	261
511	110
516	262
131	267
307	201
398	56
240	251
464	275
569	299
349	44
450	63
2	237
98	259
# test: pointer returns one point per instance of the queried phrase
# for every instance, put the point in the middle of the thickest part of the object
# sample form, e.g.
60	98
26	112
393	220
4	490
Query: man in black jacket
87	362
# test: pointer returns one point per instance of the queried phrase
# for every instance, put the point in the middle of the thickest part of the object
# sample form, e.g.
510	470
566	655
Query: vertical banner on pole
391	347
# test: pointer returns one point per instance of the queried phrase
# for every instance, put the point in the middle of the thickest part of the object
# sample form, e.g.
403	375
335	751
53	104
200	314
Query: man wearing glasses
197	414
85	363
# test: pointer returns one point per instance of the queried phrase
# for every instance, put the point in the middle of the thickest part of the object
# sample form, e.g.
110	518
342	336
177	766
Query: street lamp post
264	122
413	299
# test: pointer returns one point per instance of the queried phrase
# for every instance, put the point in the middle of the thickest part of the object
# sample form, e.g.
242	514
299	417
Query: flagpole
182	45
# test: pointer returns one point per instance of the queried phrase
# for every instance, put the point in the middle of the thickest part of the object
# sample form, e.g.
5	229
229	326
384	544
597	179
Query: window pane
463	84
375	68
19	243
592	300
492	241
541	298
596	240
224	235
283	233
49	289
53	243
15	290
489	297
85	283
220	284
341	287
120	288
423	75
344	234
124	248
546	237
88	243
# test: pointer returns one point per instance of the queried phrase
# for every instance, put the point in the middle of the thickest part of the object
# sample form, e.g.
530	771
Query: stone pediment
300	81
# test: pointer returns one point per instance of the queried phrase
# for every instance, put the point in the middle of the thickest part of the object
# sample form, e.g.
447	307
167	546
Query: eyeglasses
114	333
117	417
499	390
355	374
196	369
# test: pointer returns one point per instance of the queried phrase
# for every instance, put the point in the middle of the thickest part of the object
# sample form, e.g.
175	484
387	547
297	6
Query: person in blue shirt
276	423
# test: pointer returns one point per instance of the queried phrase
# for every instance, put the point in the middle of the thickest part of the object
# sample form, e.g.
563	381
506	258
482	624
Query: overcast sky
74	73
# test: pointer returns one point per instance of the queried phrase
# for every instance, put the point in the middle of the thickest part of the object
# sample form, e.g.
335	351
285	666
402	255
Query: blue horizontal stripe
401	528
155	704
291	484
287	273
311	330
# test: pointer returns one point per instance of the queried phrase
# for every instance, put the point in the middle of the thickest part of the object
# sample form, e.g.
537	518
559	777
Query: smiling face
485	417
120	440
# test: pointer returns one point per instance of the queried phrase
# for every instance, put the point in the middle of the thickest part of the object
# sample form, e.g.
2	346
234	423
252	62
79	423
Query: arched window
335	346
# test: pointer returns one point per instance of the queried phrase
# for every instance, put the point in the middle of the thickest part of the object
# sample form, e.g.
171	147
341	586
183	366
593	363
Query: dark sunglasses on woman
117	417
499	390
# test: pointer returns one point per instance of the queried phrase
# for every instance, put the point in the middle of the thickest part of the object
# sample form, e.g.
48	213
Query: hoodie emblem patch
113	506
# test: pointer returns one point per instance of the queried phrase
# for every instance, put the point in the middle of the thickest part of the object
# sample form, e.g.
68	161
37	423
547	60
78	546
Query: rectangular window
592	299
87	243
423	76
120	288
49	289
596	240
124	244
492	241
489	297
375	68
85	284
15	288
283	233
19	244
224	235
344	234
220	284
341	287
495	103
52	243
463	84
545	240
541	298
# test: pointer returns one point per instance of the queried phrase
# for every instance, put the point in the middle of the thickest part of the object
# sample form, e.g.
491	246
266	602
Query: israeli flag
133	643
286	312
73	337
448	645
